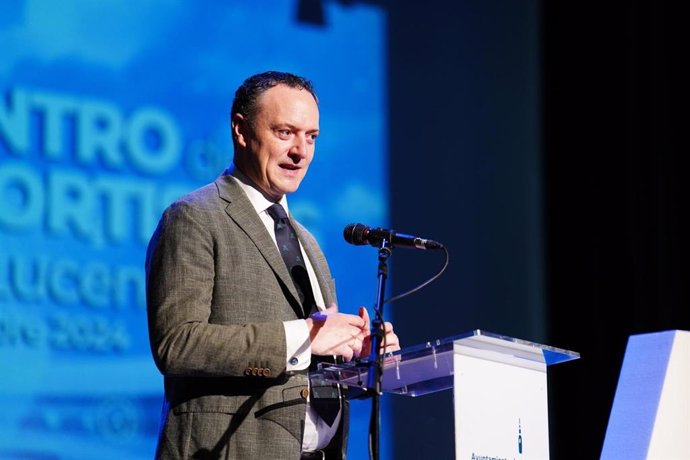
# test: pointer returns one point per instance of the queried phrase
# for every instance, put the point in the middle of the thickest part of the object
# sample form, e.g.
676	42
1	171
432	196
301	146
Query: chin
290	187
288	191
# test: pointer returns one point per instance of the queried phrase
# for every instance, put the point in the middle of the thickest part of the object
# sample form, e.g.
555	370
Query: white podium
650	417
499	387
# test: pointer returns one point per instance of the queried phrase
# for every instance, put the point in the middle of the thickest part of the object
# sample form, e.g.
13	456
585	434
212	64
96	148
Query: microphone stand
376	358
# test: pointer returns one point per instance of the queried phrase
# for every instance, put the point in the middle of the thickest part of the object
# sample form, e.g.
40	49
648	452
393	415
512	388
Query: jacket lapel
241	211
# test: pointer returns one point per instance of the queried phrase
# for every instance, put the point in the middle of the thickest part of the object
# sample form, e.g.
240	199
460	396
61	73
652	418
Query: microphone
360	234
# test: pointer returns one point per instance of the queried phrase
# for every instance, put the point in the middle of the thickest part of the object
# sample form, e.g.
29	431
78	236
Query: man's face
276	150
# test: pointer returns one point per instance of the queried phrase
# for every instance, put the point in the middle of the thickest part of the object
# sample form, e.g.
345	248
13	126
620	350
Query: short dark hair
249	91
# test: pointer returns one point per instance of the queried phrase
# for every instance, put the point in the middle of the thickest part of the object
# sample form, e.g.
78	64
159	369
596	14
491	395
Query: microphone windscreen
356	234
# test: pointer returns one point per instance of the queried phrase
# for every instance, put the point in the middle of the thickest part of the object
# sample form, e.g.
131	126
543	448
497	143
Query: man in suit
237	294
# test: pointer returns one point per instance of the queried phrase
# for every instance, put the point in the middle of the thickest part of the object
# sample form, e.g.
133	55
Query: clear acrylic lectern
499	386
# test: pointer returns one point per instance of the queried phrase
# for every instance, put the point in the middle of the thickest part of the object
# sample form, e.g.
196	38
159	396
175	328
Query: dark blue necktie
288	244
325	397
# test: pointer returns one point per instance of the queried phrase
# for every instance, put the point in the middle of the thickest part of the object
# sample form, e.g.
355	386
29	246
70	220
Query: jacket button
304	393
255	370
248	371
267	372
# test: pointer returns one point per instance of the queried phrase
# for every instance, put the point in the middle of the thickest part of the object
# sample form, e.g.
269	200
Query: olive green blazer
218	292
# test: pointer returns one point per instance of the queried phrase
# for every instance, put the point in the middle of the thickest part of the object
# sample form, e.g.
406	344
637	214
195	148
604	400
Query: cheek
277	154
310	156
270	162
306	163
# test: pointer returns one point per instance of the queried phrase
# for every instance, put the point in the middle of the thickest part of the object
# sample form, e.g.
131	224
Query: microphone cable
424	284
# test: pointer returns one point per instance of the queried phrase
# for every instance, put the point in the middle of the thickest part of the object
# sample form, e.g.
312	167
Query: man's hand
334	333
390	340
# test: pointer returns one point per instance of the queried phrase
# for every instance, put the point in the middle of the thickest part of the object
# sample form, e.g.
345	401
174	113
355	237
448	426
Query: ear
240	127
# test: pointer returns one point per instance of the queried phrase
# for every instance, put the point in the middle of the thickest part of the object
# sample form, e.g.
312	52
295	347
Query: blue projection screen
109	111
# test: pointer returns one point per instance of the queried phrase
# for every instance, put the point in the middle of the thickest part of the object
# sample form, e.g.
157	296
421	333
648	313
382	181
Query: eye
311	138
283	133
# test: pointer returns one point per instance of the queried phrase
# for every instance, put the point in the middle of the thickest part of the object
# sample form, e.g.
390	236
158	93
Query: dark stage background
543	142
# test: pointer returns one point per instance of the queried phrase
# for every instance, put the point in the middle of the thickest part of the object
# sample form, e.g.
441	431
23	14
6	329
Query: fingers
347	335
355	321
391	342
332	312
337	333
350	349
347	354
364	314
357	347
351	343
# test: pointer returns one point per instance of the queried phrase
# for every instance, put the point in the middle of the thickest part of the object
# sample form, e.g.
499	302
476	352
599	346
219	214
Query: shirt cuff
298	345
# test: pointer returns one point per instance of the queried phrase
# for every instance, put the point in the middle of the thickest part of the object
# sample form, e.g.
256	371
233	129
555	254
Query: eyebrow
293	127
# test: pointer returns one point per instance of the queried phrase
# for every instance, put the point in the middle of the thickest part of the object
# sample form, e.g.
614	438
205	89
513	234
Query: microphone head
356	234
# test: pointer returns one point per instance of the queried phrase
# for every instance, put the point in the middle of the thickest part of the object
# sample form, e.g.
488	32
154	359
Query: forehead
283	101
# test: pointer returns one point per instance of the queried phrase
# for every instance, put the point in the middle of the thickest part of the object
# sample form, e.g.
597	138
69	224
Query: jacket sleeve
180	273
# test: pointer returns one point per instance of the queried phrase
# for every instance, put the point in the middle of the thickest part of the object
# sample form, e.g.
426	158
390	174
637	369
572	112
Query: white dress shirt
317	433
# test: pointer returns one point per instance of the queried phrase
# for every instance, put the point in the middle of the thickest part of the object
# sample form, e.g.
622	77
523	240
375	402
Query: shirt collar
257	199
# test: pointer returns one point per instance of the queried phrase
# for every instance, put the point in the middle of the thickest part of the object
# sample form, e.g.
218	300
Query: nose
298	151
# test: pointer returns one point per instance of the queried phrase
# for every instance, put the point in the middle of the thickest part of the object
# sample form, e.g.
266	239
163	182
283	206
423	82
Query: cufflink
293	361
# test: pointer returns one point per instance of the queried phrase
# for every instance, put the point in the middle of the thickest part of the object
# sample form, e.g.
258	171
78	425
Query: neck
239	173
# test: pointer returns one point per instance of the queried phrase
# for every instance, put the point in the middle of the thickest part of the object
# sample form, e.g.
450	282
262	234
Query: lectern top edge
551	355
429	367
